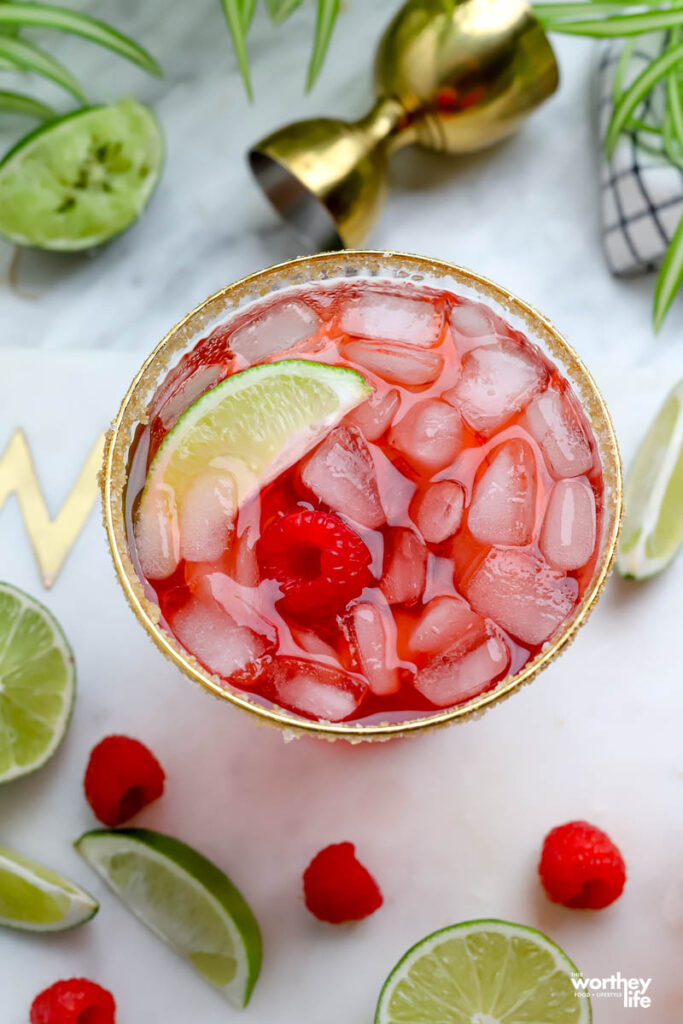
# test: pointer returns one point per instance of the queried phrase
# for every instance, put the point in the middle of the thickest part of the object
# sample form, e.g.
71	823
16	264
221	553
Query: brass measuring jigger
454	76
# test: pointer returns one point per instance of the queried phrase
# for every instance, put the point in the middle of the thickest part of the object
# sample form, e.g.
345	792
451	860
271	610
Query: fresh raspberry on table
320	563
581	867
338	888
76	1001
122	777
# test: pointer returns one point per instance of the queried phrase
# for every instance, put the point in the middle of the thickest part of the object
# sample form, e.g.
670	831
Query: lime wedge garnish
36	899
81	179
37	683
653	497
238	437
184	899
484	972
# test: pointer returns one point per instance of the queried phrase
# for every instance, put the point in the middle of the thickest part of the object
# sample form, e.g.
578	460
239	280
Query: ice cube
315	691
405	566
394	363
473	320
312	643
187	392
393	318
437	511
215	638
429	436
206	516
375	414
372	633
157	536
245	567
341	474
522	593
275	331
444	622
554	424
458	676
496	382
568	534
503	508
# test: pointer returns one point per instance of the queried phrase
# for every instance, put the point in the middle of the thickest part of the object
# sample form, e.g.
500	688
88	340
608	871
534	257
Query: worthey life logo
634	992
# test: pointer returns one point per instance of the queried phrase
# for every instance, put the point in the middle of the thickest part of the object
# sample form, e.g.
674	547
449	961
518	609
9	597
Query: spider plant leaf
551	12
280	10
26	56
619	25
52	16
632	97
327	16
669	278
19	103
233	10
622	68
248	10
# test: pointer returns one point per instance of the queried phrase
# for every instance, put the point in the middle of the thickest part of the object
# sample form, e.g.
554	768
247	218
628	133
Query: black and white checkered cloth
641	190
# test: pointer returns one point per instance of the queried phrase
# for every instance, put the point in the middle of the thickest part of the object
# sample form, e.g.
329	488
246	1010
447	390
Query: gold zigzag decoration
51	539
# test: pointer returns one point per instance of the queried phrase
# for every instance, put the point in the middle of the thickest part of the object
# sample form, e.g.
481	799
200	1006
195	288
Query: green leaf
18	103
65	20
551	12
280	10
234	15
248	9
637	91
621	68
669	277
26	56
620	25
327	16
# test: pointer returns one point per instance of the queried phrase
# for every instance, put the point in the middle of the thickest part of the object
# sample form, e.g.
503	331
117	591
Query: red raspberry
581	867
77	1001
122	777
338	888
320	563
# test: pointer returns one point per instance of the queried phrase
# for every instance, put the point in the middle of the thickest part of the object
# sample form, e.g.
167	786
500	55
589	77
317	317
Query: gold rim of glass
364	264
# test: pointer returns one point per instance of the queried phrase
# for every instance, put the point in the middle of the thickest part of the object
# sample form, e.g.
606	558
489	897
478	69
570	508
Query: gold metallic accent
451	75
51	539
331	267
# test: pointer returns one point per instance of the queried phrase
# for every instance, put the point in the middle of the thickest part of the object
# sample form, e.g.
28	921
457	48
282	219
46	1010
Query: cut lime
36	899
185	900
37	683
80	180
484	972
238	436
653	497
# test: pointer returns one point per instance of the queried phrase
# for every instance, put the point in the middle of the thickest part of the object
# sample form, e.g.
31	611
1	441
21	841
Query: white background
451	823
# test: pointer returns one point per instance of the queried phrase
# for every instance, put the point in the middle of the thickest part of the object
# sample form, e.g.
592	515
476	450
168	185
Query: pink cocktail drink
427	546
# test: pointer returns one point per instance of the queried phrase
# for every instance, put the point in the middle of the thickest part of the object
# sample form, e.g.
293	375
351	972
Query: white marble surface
450	823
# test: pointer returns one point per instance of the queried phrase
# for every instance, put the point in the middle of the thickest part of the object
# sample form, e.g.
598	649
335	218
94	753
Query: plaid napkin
641	190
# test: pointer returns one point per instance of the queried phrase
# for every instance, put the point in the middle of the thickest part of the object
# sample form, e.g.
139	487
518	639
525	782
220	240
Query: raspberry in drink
397	549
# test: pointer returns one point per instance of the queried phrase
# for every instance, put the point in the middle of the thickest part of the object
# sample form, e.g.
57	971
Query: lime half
484	972
653	497
81	179
185	900
36	899
229	444
37	683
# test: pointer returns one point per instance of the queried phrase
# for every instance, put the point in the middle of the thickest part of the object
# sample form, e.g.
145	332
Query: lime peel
35	898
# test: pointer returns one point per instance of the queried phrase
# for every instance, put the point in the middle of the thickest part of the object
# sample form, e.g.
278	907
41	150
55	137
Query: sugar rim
330	267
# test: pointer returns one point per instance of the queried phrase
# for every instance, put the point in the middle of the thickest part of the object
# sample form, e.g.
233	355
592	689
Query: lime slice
238	437
37	684
484	972
653	497
185	900
81	179
36	899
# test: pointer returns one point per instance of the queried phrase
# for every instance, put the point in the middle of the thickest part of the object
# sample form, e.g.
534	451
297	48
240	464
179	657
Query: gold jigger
393	268
454	76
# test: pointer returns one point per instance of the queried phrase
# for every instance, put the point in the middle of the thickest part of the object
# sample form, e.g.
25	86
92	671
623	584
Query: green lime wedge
653	497
80	180
242	434
33	898
484	972
37	683
184	899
